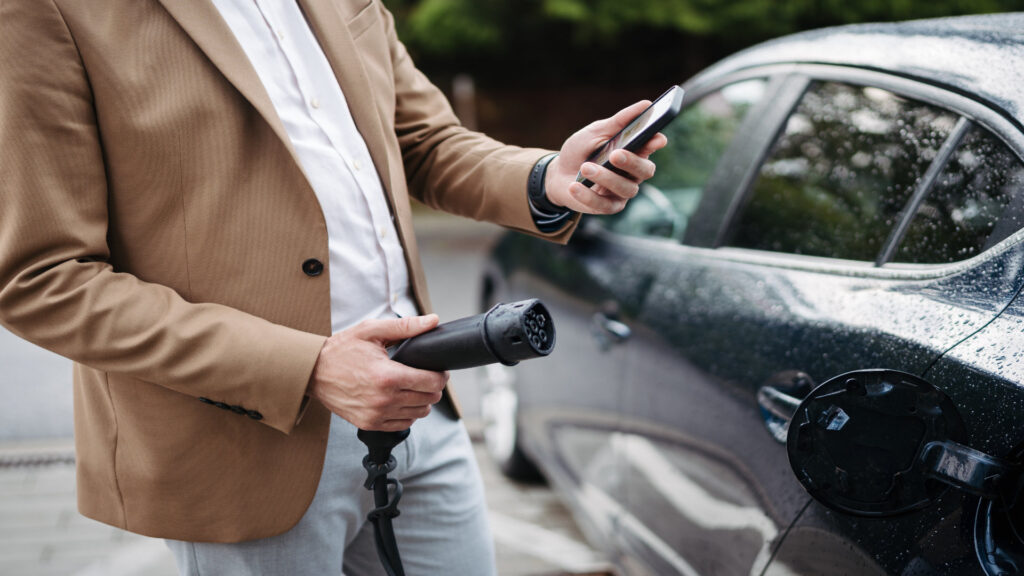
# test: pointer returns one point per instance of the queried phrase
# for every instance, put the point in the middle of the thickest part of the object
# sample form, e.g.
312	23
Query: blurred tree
546	67
502	40
448	28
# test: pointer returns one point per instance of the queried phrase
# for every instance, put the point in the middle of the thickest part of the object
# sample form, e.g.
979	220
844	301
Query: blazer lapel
332	32
203	23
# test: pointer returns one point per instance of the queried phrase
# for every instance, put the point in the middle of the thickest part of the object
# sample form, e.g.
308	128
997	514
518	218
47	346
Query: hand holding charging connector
507	333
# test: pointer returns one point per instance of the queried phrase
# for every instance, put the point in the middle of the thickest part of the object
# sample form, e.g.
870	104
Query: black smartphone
639	131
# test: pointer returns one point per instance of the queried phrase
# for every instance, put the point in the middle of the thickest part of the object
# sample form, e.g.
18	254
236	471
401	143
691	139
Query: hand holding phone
638	132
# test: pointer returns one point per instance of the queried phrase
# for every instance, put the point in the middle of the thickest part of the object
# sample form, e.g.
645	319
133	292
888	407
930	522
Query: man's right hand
355	379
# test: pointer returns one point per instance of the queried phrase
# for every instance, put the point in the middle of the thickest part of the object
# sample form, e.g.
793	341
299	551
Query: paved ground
42	534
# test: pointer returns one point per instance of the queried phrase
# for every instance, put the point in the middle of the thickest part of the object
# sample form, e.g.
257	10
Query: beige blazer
153	226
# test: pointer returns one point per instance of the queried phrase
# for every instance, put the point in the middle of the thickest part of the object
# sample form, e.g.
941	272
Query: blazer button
313	267
237	409
222	406
255	415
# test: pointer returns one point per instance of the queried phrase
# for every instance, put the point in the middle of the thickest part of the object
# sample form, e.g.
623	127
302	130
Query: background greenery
543	68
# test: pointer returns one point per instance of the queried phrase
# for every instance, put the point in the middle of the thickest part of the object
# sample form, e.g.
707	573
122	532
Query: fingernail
589	170
427	320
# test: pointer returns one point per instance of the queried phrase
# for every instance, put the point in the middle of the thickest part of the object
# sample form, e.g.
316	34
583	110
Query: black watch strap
546	216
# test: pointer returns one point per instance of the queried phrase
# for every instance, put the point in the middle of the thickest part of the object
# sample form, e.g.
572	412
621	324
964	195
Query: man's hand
611	191
355	379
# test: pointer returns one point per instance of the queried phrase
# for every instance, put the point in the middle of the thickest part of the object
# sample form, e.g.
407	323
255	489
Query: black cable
378	463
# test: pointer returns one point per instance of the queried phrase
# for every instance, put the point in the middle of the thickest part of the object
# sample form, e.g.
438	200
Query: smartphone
639	131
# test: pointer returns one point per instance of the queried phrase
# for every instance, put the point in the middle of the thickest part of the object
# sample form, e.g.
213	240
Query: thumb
610	126
394	329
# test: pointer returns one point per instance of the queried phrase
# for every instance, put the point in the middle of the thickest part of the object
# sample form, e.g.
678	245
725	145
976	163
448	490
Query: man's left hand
610	191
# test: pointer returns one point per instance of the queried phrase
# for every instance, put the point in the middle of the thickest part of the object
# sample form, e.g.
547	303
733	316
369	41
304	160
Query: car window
697	139
957	218
840	173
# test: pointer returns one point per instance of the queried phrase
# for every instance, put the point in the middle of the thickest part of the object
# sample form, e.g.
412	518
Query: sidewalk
42	534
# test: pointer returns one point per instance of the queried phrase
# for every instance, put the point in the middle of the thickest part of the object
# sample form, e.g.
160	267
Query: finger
406	412
595	201
623	117
656	143
421	381
622	186
394	329
610	126
639	169
416	400
392	425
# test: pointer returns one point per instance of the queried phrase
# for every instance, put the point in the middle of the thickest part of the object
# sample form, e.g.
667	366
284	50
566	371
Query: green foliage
455	27
608	18
451	26
697	139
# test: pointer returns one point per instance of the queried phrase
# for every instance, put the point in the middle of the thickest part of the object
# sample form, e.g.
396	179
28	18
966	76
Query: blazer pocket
363	19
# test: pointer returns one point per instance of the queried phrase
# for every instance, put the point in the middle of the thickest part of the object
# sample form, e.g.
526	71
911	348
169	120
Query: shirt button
383	232
394	298
280	35
315	103
357	165
313	267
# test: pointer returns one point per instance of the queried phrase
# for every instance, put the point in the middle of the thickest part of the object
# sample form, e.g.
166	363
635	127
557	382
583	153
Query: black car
800	350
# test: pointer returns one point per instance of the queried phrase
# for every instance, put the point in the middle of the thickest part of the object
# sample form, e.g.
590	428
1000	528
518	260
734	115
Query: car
800	348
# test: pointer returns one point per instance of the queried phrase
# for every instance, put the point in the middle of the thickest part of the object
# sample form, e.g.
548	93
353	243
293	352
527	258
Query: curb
28	453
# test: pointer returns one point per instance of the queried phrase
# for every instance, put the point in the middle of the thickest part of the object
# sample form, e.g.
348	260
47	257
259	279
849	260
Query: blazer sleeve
57	288
454	169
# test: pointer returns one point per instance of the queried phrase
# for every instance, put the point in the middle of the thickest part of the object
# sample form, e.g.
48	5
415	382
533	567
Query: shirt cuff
546	216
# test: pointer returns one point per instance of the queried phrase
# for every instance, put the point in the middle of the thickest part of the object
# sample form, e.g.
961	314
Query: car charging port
999	525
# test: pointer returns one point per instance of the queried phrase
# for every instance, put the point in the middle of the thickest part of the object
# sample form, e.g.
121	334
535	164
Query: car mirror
648	215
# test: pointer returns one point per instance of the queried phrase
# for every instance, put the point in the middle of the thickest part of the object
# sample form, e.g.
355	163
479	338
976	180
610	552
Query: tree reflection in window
956	220
839	175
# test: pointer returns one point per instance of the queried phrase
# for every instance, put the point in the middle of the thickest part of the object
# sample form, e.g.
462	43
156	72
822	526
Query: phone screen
635	127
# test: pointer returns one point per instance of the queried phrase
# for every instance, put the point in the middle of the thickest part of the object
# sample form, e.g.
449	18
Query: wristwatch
546	216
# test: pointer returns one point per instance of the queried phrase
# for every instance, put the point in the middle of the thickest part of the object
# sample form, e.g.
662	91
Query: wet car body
841	207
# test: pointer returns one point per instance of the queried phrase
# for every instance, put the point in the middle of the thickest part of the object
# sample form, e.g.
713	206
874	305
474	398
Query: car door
813	274
707	142
571	404
568	403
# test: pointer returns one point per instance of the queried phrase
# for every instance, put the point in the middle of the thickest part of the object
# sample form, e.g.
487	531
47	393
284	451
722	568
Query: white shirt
368	275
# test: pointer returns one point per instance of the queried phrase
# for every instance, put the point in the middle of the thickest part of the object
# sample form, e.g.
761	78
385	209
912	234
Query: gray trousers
442	528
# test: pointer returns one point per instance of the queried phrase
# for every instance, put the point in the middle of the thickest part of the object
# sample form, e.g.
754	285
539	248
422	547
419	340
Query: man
206	206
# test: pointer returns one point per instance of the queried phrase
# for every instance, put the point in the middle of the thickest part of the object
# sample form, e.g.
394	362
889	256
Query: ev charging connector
507	333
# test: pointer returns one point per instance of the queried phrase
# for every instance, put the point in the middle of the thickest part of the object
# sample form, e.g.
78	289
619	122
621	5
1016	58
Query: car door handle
779	397
777	409
609	331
